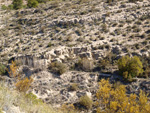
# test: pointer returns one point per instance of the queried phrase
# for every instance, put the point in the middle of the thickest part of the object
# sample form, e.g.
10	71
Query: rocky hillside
79	34
72	28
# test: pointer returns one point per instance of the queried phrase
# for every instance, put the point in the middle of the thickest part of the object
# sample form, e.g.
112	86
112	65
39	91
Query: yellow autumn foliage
110	100
23	85
68	108
13	69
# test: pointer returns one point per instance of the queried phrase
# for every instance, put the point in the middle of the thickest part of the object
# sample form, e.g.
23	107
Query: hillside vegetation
14	101
70	56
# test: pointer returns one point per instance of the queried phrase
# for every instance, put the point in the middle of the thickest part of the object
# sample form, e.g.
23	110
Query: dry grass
11	98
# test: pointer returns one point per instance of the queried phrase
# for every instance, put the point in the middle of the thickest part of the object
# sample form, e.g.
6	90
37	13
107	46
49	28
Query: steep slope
120	27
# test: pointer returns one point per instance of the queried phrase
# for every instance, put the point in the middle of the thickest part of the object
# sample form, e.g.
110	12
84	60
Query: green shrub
104	28
2	69
86	101
32	3
49	44
4	7
130	67
33	98
11	6
58	67
17	4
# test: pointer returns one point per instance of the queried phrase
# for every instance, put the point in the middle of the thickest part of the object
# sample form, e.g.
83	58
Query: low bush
4	7
24	85
2	69
49	44
10	6
32	3
85	64
103	63
35	100
17	4
68	108
74	87
58	67
86	102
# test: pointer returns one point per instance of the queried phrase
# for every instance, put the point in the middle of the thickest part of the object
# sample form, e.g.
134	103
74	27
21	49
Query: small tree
17	4
130	66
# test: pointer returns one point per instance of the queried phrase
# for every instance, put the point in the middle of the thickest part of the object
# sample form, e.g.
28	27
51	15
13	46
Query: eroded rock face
42	61
55	90
31	61
87	27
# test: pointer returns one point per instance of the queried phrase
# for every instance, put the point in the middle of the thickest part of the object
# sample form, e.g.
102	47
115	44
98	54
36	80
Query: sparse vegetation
32	3
68	108
17	4
134	0
58	67
9	97
85	64
74	87
4	7
49	44
34	98
86	102
2	69
66	47
23	85
12	70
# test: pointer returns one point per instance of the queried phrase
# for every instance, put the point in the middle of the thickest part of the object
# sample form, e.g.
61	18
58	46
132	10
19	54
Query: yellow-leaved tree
22	84
115	100
13	69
